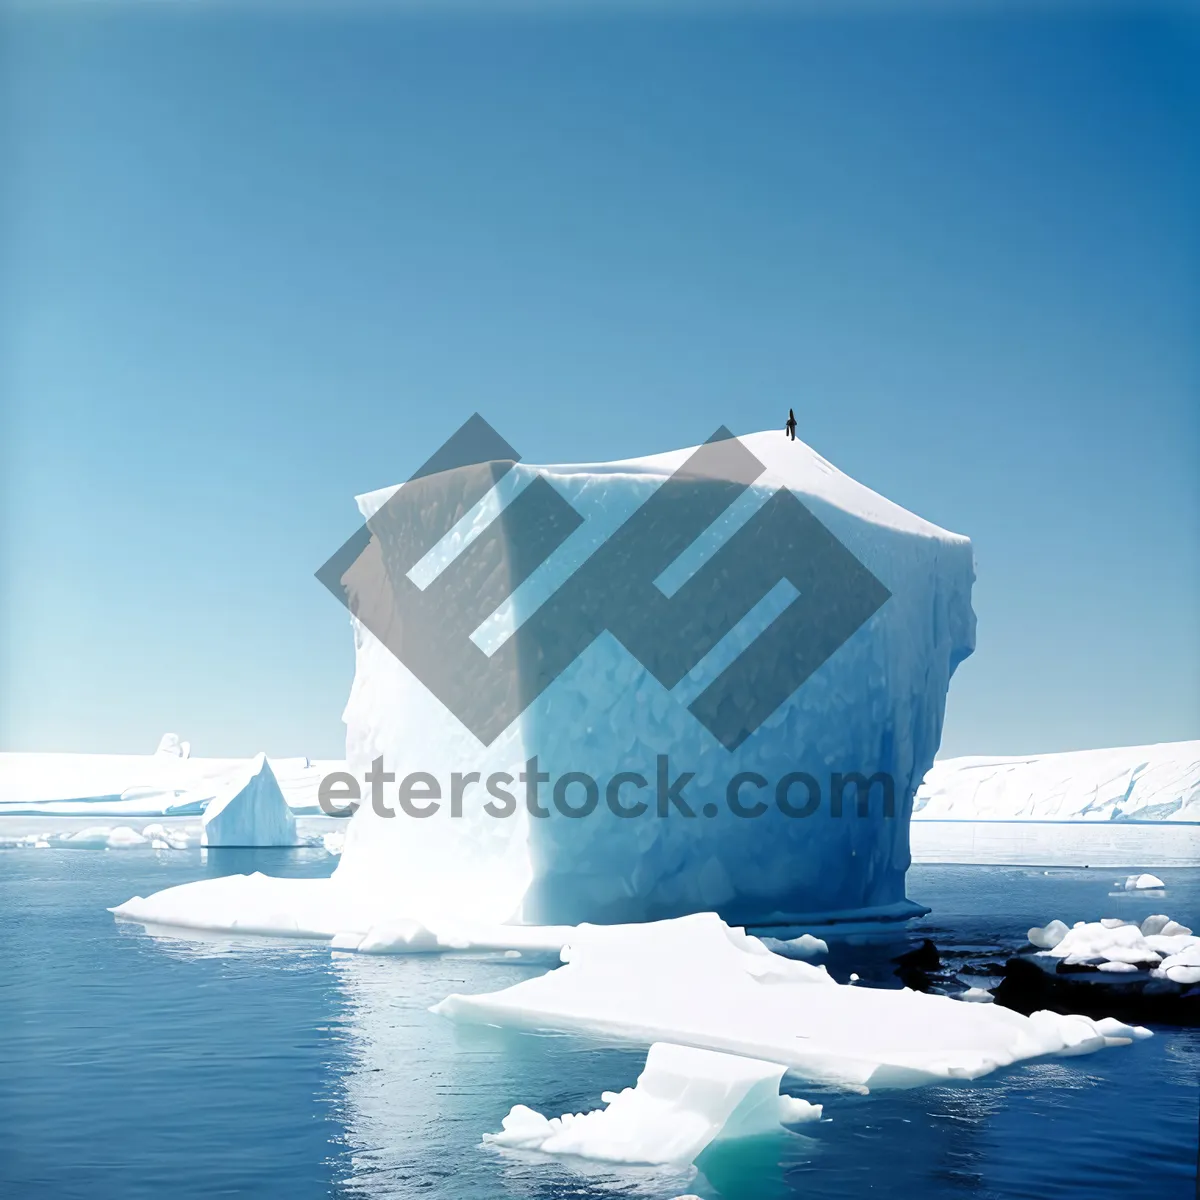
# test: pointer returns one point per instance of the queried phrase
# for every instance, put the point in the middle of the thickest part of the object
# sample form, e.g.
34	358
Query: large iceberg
872	707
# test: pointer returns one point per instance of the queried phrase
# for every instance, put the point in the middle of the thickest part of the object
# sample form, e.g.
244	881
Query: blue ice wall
873	708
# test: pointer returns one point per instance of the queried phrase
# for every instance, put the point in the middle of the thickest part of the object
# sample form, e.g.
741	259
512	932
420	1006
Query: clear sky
255	264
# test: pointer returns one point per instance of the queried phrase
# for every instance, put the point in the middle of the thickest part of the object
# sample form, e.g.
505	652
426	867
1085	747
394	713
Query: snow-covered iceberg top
684	1100
872	707
695	981
1131	783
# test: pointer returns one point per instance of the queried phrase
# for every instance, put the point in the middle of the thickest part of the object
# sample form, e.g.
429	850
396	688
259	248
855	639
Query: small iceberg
249	810
684	1100
1142	883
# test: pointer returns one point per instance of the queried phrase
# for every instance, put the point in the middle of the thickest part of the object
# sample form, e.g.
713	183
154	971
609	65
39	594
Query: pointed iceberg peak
249	810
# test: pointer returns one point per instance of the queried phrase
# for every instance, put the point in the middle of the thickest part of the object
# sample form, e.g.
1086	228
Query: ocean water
136	1066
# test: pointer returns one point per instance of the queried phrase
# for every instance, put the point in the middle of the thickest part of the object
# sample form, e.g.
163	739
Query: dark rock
920	968
1136	999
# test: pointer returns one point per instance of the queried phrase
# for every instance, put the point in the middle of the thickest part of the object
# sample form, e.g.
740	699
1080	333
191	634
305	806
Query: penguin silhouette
790	427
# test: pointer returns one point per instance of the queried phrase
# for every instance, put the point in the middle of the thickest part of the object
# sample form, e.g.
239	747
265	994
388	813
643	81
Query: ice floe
804	946
695	981
684	1100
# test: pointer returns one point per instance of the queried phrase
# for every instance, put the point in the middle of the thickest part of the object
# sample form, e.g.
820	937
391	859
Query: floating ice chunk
1183	966
1143	882
1159	944
795	1111
333	843
123	836
695	981
684	1099
1090	942
166	837
1047	937
249	811
1183	975
399	937
976	995
804	946
1114	922
95	836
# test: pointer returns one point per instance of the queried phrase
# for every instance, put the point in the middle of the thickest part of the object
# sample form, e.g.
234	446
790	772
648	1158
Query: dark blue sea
134	1066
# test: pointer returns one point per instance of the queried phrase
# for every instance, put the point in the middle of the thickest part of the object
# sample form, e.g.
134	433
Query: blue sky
258	264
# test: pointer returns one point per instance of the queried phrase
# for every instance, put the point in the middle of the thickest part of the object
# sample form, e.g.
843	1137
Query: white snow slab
1153	783
1166	948
249	811
351	919
684	1100
876	705
695	981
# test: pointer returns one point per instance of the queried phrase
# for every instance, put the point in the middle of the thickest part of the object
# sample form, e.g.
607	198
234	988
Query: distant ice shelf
1124	784
169	783
1122	807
